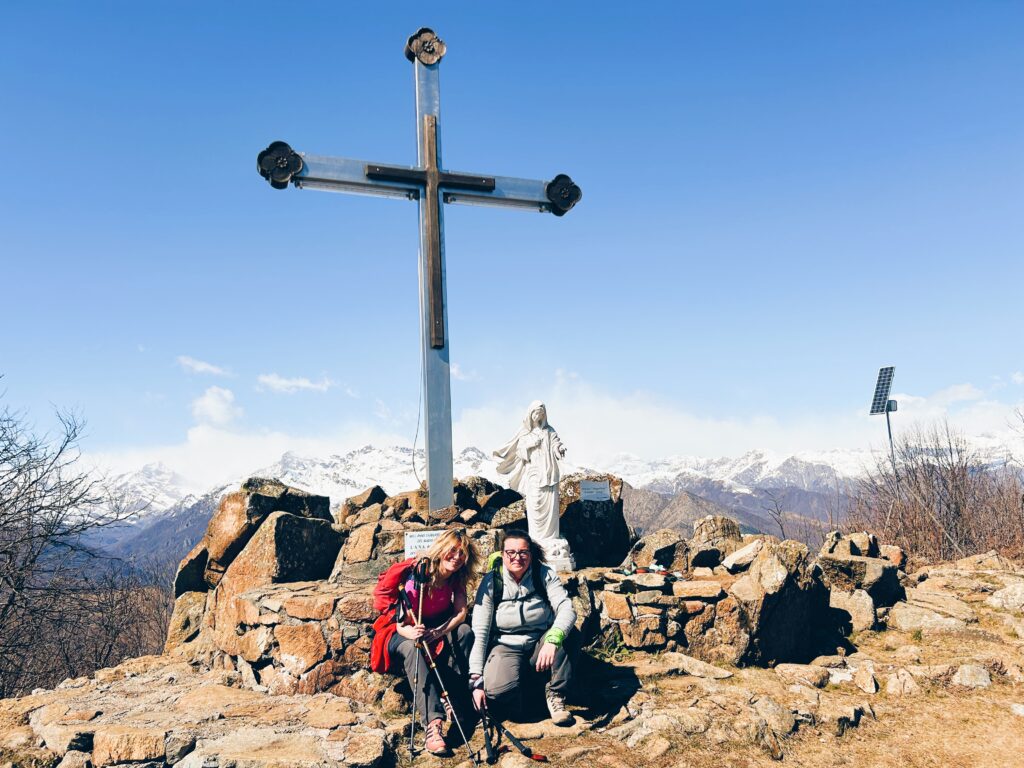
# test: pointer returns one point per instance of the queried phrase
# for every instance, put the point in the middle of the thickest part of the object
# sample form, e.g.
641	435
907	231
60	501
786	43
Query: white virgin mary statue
530	459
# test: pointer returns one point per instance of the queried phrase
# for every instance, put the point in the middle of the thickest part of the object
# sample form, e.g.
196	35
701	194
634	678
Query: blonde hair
453	538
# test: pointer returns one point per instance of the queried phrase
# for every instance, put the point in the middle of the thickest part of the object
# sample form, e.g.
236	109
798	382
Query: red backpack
385	594
385	600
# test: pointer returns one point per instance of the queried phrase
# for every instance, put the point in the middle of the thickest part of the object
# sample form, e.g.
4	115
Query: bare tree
774	510
53	584
949	501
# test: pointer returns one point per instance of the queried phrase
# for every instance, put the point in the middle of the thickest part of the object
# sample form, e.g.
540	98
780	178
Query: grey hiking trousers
453	672
507	670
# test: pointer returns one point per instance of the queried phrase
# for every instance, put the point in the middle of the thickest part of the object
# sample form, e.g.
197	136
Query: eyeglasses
517	554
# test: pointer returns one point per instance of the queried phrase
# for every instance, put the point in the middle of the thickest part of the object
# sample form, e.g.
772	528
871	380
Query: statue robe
531	461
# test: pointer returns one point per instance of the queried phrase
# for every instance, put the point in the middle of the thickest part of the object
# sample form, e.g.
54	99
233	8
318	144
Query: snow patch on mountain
155	488
821	472
149	491
395	469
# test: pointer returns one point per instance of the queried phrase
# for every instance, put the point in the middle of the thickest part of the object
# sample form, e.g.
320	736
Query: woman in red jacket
448	564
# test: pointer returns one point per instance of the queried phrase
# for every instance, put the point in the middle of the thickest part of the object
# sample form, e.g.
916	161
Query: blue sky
778	199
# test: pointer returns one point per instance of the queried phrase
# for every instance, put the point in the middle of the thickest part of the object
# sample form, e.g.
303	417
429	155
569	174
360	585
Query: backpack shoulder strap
497	586
539	584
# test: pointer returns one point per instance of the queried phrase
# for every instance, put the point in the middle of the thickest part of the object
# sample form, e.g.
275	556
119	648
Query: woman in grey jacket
527	630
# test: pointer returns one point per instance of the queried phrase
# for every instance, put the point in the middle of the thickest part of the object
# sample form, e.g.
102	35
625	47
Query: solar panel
881	398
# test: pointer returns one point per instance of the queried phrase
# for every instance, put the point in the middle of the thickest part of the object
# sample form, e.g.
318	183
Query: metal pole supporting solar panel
890	406
880	403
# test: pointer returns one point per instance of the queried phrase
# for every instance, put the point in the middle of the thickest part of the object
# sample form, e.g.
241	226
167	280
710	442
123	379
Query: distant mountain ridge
664	493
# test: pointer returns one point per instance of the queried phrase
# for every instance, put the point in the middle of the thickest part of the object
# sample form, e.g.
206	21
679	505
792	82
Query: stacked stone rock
281	592
720	596
862	578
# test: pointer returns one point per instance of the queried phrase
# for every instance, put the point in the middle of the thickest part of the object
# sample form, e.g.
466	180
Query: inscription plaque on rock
420	541
595	490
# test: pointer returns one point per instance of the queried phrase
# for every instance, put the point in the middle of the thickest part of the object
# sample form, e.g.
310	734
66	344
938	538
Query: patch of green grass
916	635
610	649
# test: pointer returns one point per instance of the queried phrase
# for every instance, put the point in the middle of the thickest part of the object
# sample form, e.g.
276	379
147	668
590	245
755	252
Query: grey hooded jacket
522	617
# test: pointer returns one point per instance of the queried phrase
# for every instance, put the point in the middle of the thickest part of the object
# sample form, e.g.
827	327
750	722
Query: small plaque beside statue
595	490
420	541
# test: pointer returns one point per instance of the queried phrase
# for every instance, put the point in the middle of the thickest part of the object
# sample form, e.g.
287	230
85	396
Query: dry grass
943	726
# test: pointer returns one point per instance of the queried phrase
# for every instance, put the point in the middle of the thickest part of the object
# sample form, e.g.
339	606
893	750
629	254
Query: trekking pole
440	682
417	575
518	744
492	756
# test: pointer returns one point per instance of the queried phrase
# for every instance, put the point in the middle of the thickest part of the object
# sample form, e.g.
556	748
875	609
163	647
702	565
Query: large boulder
876	576
914	618
665	548
237	518
942	602
186	620
780	599
853	611
988	561
285	548
354	504
474	492
371	547
1009	598
499	499
511	516
714	537
860	543
741	558
596	530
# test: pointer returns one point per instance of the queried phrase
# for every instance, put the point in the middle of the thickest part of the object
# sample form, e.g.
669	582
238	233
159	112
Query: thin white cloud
1017	377
211	455
957	393
192	365
460	375
596	425
280	384
216	406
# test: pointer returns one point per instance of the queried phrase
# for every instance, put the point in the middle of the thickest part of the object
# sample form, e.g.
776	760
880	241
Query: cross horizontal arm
342	174
508	192
280	164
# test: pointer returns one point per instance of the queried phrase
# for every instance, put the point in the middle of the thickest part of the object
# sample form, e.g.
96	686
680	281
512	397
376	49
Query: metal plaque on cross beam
430	185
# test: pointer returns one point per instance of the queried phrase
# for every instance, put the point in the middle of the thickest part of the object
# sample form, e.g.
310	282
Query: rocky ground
937	694
692	642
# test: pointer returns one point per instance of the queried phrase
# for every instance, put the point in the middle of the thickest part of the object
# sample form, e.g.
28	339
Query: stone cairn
279	589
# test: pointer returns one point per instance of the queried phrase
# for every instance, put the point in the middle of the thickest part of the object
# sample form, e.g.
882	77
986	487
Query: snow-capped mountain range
149	491
155	488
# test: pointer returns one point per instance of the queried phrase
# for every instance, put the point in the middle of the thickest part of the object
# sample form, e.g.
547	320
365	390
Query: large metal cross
430	185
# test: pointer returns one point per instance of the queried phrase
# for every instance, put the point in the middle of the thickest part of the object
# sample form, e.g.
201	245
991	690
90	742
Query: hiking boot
435	743
556	708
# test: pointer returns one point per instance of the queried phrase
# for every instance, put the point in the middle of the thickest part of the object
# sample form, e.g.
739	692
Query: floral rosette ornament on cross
563	193
426	46
278	163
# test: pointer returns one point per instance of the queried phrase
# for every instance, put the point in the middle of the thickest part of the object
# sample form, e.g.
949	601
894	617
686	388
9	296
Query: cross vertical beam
433	234
434	340
431	186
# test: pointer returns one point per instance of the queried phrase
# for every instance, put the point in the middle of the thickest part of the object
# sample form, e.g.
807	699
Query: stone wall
287	601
